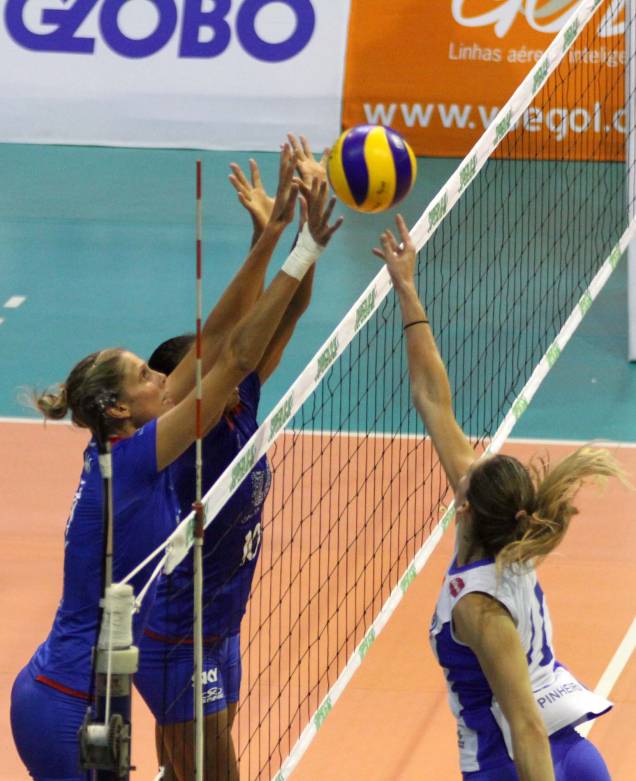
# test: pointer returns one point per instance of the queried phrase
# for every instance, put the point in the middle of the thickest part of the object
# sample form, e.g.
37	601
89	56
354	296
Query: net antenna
105	735
199	732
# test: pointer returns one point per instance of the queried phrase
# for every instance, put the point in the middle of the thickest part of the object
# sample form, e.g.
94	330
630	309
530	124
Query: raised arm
252	196
297	307
315	225
239	355
246	286
430	387
487	628
313	174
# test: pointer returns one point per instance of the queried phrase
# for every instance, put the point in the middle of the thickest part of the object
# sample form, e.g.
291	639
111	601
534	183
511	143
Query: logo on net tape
203	33
455	586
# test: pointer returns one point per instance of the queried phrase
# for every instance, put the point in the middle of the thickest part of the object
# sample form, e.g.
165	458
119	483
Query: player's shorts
574	759
45	723
165	679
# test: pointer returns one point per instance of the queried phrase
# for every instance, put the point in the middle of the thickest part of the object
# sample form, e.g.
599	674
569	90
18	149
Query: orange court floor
392	723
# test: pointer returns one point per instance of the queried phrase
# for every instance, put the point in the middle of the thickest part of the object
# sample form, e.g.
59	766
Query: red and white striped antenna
198	506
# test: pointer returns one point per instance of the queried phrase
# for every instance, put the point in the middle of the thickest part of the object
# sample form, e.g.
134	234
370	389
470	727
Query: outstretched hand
316	209
306	164
251	194
399	258
282	212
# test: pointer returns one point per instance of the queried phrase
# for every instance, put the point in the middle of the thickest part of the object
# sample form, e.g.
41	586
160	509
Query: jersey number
252	542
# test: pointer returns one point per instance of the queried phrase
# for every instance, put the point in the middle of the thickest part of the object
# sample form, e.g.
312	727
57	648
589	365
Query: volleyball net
512	252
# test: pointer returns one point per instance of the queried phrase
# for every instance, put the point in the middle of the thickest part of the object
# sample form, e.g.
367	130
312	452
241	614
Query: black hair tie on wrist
415	322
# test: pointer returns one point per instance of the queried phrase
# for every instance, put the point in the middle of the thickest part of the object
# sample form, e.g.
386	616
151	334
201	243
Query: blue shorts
574	759
45	723
165	676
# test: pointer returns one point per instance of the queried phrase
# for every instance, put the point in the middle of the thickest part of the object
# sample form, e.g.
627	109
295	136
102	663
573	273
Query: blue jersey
232	541
145	512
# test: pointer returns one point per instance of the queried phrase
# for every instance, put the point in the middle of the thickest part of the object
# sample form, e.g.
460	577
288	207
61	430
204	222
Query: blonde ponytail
92	386
542	526
53	405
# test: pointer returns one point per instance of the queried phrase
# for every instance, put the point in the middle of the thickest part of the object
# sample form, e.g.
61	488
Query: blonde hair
93	385
521	514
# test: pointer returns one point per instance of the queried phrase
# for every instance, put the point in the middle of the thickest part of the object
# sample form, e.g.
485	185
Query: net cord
155	574
179	542
156	552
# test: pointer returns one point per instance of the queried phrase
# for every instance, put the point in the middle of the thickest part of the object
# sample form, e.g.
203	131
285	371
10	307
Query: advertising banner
439	72
224	74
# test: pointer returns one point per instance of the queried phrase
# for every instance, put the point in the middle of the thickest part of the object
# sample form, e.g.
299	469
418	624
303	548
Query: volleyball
371	168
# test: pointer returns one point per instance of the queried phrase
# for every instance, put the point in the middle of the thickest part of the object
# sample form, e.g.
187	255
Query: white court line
382	435
14	302
613	671
41	421
1	320
573	442
513	440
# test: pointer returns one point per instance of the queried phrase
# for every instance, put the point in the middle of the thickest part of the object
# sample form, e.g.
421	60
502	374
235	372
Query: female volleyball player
491	630
232	541
114	393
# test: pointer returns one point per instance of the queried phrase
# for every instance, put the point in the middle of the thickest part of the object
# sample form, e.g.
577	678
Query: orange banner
439	71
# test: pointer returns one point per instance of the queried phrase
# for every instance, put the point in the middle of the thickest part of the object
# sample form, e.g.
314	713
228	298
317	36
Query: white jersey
482	730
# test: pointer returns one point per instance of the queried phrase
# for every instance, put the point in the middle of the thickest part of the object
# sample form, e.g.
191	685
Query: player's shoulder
508	586
135	456
476	576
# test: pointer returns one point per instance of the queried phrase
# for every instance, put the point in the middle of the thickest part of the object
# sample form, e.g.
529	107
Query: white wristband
303	256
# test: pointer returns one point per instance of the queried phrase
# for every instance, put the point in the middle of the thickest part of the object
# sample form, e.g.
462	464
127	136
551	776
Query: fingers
286	155
255	173
318	194
319	211
317	198
386	252
295	145
403	230
237	178
389	250
301	148
286	173
290	204
327	215
388	242
235	183
243	195
293	196
305	189
306	147
245	200
238	173
239	181
303	209
332	230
